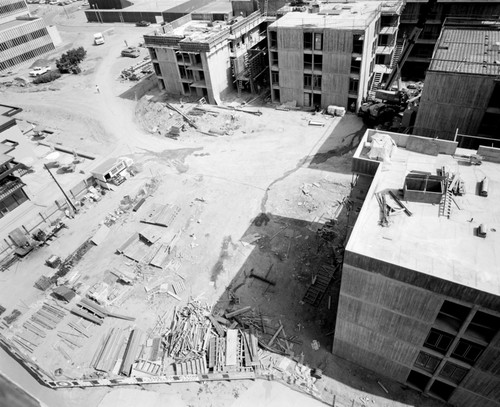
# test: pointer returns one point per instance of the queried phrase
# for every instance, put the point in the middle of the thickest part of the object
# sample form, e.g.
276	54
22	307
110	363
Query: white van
98	39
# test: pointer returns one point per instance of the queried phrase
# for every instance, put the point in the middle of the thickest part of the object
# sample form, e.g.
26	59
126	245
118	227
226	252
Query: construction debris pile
138	71
172	120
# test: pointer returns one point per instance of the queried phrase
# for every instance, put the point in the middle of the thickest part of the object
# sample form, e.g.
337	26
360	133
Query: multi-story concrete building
420	290
462	90
22	37
11	187
433	13
210	52
331	53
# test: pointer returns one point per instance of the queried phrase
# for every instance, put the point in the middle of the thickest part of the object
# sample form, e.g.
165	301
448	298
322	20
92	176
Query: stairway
397	52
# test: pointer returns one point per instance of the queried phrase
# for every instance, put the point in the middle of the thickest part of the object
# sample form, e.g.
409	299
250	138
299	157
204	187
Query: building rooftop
159	5
199	30
217	7
446	248
342	16
468	50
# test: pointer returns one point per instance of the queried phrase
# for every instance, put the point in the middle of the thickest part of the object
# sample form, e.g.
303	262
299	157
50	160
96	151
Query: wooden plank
87	315
218	328
271	341
131	352
231	347
238	312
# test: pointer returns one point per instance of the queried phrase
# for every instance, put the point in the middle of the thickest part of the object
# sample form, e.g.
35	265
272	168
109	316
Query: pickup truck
39	70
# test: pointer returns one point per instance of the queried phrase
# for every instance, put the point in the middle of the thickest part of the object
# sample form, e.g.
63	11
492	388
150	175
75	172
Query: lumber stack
48	317
108	352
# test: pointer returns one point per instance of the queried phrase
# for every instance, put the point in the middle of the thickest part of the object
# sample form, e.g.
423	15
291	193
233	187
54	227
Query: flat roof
155	6
7	114
105	166
339	16
198	30
446	248
467	50
217	7
4	159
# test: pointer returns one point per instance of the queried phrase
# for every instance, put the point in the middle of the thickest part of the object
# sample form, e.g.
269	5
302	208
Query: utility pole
62	190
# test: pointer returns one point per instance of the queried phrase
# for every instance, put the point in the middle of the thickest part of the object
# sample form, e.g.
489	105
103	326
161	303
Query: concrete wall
217	70
291	65
450	101
123	16
337	52
169	70
381	323
385	314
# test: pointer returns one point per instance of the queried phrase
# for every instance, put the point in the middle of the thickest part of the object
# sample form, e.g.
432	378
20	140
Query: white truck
98	39
39	70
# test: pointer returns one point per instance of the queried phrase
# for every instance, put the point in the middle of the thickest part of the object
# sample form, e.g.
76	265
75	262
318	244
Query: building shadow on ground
335	153
285	256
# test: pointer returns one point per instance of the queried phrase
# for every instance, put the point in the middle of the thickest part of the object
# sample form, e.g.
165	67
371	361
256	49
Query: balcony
9	185
389	30
384	49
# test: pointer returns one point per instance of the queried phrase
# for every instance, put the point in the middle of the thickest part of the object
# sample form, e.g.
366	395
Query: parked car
143	23
131	52
39	70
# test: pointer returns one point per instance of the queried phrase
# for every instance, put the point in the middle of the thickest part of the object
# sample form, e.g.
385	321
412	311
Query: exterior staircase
377	80
397	52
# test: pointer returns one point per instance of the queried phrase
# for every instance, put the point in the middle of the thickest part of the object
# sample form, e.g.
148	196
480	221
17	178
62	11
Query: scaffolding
248	68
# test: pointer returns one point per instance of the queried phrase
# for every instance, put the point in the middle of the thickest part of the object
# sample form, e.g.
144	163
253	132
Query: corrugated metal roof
472	51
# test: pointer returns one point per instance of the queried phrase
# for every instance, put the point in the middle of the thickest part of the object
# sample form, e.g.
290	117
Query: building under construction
420	291
332	53
462	91
219	48
427	17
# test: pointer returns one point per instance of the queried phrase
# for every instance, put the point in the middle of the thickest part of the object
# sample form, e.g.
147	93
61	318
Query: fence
47	217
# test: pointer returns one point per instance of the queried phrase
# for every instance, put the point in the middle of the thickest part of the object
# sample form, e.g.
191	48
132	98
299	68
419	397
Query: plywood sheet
231	347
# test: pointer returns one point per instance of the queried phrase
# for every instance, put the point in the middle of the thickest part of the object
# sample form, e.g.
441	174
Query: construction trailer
108	171
332	53
420	303
210	52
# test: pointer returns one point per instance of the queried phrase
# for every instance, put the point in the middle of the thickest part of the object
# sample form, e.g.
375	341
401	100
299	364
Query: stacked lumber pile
93	312
33	334
108	352
48	316
200	343
269	336
189	332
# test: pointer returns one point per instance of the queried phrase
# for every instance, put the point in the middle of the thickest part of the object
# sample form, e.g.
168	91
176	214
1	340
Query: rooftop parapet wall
361	164
171	35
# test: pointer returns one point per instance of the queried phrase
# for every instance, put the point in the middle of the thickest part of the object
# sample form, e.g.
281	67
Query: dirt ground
251	201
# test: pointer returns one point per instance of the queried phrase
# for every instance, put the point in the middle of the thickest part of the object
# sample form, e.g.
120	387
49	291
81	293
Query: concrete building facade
210	52
22	37
331	54
462	87
434	13
420	296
